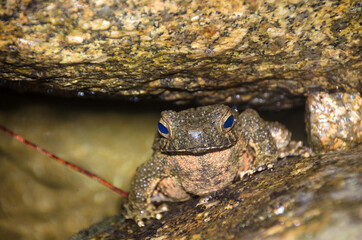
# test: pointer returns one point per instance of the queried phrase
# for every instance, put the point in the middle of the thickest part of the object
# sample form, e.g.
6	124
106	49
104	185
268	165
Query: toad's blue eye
162	128
229	122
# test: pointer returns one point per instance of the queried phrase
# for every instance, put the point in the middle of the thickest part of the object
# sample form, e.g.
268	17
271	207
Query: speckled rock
255	52
334	121
310	198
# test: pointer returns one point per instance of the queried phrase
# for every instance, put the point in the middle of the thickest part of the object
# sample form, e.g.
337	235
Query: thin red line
71	165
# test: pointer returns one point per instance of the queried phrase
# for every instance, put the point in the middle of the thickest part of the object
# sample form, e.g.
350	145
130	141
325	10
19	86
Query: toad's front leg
257	138
144	183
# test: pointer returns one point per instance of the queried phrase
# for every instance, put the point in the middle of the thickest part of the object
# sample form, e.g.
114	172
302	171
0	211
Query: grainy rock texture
311	198
256	52
334	121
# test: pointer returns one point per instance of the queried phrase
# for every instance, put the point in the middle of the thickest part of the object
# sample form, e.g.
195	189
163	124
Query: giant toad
201	150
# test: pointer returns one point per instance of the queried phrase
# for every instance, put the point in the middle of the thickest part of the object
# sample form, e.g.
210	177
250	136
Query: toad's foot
295	148
150	212
250	172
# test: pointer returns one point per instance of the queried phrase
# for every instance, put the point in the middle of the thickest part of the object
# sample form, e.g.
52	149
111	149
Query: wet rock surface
268	53
334	121
310	198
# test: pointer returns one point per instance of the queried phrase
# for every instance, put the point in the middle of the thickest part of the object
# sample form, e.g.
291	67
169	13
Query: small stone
334	121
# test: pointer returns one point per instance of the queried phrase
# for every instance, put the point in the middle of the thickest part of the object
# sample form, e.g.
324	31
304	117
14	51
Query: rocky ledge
310	198
269	53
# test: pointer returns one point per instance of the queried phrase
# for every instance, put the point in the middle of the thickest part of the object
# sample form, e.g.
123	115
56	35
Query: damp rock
261	53
317	197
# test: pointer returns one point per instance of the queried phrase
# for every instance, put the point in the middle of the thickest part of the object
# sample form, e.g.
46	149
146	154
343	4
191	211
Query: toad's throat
205	173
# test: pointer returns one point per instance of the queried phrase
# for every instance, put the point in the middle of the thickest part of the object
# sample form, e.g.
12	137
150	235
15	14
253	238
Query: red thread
58	159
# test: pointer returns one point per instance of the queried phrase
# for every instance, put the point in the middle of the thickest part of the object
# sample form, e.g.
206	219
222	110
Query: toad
201	150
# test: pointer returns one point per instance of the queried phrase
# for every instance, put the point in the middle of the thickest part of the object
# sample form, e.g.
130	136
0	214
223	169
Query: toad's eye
229	122
164	125
162	129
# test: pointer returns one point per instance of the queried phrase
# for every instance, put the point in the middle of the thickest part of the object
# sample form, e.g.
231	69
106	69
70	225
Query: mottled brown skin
200	154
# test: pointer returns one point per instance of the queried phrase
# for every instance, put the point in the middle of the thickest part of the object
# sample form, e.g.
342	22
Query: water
42	199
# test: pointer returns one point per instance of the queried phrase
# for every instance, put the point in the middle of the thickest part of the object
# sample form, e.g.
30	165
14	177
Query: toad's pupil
229	122
162	128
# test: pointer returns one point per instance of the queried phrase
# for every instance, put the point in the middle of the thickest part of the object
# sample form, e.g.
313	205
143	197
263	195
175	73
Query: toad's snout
195	134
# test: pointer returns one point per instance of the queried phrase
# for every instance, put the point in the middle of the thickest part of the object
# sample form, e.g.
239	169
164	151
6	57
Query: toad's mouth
197	150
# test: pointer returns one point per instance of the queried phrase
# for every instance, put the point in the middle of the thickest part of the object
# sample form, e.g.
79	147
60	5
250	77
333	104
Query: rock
301	198
334	121
269	53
